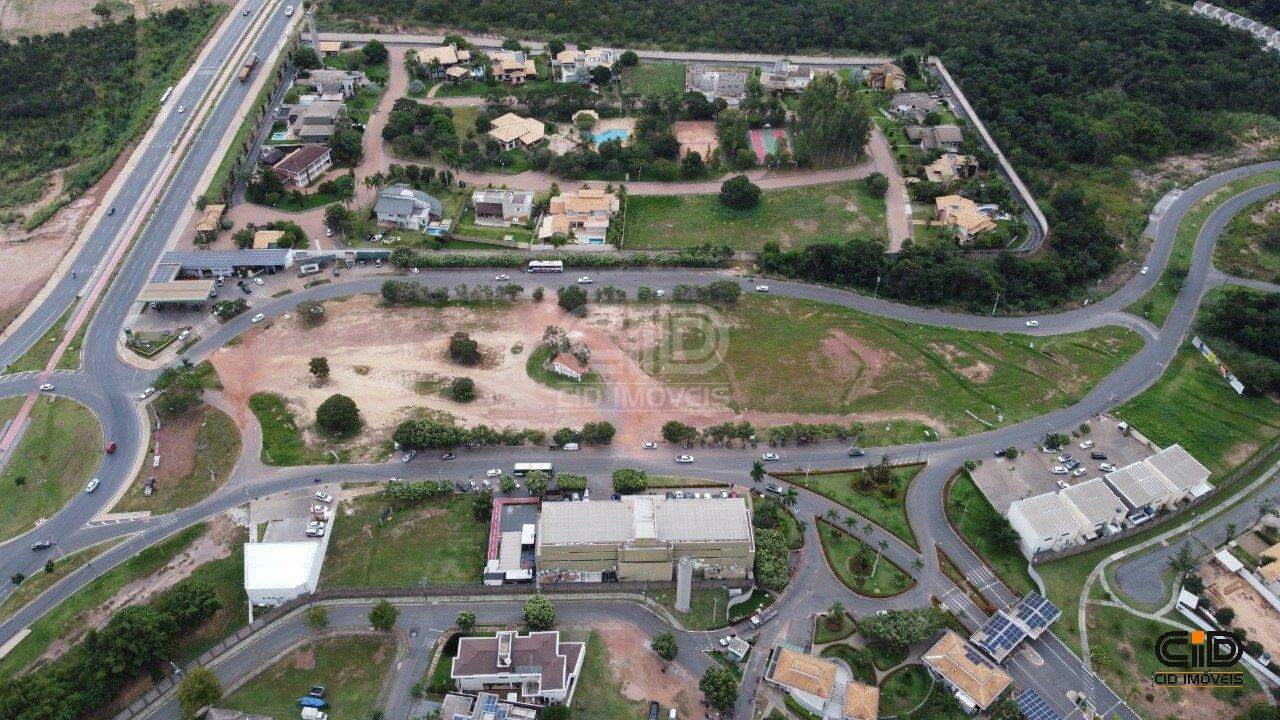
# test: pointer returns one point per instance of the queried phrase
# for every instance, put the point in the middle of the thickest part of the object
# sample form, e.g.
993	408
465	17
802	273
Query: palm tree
881	547
832	514
918	564
789	499
869	527
851	522
1266	506
1231	530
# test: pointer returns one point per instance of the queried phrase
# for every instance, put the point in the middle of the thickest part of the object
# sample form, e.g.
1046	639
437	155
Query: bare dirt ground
213	545
37	17
697	136
641	671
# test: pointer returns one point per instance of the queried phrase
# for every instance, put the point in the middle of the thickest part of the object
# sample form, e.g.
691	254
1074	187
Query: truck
309	713
248	66
762	617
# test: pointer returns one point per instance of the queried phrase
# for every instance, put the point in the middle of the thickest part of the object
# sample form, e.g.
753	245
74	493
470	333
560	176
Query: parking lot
1004	481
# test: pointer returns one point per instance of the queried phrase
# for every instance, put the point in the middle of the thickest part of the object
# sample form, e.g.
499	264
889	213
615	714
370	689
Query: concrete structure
404	207
975	681
582	215
512	131
502	207
1143	489
727	85
187	264
1095	503
1007	629
177	291
785	76
1045	523
641	537
821	686
538	668
575	66
1178	466
303	165
285	563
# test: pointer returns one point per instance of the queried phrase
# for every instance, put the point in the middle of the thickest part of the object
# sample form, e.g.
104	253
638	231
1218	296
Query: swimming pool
605	136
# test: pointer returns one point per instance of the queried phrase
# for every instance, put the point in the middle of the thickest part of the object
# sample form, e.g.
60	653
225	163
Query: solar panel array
1034	707
493	709
999	636
1036	612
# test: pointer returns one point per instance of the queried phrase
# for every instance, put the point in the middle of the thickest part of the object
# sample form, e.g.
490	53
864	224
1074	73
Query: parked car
447	456
259	281
569	447
856	452
41	545
111	211
1144	270
146	393
502	277
585	280
773	487
324	497
257	318
1085	445
328	232
1072	464
653	710
111	448
93	485
409	456
651	445
1032	323
1097	455
769	456
493	472
182	108
317	691
762	288
724	641
487	483
1058	470
47	387
1107	467
1064	457
685	459
1078	472
1063	484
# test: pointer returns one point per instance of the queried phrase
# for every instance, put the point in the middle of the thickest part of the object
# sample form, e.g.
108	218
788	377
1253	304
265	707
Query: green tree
771	558
678	433
627	481
599	432
834	119
902	628
876	184
465	621
664	646
539	613
757	471
739	193
571	297
463	350
507	485
720	687
732	128
310	312
383	616
374	52
462	389
570	482
338	415
337	217
319	367
199	688
537	482
317	618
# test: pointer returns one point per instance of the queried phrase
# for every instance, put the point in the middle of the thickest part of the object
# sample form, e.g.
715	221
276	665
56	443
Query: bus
168	91
523	469
545	266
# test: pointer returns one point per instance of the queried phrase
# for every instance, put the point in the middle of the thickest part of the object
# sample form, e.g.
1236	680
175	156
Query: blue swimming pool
605	136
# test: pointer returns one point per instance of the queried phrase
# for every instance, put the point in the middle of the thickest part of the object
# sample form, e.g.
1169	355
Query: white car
1058	470
328	232
769	456
585	280
1032	323
659	293
1144	270
762	288
685	459
502	277
409	456
724	641
258	281
93	485
288	11
488	484
257	318
47	387
651	445
1078	472
415	271
182	108
324	497
1086	444
1063	484
493	472
1107	467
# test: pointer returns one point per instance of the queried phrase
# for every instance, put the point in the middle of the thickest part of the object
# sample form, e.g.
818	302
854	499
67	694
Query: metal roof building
1140	486
1178	467
1046	522
1096	503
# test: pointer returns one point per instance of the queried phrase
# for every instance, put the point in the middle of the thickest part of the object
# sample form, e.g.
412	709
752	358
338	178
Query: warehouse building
640	538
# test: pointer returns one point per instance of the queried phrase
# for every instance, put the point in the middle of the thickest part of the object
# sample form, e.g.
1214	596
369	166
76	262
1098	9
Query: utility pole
995	304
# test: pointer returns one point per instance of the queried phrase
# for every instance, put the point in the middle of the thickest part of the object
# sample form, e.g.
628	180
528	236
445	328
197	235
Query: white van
569	447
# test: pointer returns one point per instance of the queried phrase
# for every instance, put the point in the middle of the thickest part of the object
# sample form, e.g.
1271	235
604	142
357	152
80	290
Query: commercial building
404	207
538	668
974	679
502	207
303	165
821	686
641	537
1046	523
177	291
1097	505
188	264
285	563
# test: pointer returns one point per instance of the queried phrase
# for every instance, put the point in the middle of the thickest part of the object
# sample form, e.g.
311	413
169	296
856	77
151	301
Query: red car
111	447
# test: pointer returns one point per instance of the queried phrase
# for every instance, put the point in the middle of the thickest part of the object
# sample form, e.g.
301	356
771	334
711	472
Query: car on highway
47	387
246	11
415	270
1078	472
257	318
245	288
651	445
447	456
110	448
1032	323
1107	467
1144	270
1058	470
659	293
409	456
182	108
585	280
762	288
856	452
493	472
769	456
93	485
288	11
41	545
111	211
502	277
686	459
323	497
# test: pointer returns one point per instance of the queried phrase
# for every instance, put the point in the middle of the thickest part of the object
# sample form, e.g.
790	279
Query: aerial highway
110	386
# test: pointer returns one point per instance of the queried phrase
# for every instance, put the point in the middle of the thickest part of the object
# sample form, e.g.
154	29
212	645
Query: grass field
852	363
706	607
653	78
439	542
824	634
888	514
791	217
41	350
58	453
216	448
599	694
857	566
1250	247
352	668
970	513
282	441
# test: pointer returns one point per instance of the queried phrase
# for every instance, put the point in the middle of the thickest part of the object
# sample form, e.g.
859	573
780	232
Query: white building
502	207
575	66
1097	505
1045	523
404	207
277	572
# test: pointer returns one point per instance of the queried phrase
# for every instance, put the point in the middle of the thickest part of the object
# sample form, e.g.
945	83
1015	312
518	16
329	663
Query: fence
148	703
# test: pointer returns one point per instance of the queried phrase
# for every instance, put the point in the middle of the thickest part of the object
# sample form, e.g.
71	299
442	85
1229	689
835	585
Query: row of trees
405	292
432	434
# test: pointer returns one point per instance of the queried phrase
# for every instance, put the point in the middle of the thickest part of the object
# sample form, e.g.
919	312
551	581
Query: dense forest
74	100
1264	11
1243	327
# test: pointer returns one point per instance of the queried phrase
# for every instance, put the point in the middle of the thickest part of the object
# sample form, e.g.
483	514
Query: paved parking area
1004	481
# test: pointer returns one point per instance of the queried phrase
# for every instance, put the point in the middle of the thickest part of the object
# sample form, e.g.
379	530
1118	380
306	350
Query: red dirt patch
641	671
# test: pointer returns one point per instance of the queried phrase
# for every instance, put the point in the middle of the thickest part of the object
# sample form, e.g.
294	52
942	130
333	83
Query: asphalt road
108	385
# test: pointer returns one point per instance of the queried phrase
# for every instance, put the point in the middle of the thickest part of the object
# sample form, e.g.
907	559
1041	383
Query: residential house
404	207
1046	523
512	67
914	106
785	76
727	85
583	215
329	82
326	47
512	131
964	215
567	365
945	137
887	77
502	207
821	686
951	167
538	668
974	680
575	66
315	122
436	61
303	165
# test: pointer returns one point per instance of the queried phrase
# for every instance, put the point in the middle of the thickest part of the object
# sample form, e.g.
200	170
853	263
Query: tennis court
767	141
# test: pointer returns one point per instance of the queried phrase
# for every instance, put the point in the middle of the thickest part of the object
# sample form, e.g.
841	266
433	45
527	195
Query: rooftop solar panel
1034	707
1034	611
999	636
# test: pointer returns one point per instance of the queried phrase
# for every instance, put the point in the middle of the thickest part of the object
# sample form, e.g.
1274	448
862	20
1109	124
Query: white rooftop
1095	501
1140	485
1179	467
269	565
644	517
1049	515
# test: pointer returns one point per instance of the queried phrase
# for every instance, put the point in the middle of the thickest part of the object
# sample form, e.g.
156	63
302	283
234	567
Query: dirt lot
641	671
1254	614
1004	481
696	135
32	17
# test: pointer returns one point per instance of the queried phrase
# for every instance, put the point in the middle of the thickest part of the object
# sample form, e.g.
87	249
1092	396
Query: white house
406	208
537	668
575	66
502	207
1097	505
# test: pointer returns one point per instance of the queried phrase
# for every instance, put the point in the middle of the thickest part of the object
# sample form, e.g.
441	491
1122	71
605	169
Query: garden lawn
904	690
216	446
467	228
706	607
435	542
599	694
37	356
839	487
1250	247
857	566
654	78
590	382
58	453
864	671
824	634
825	359
352	668
791	217
282	441
970	513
